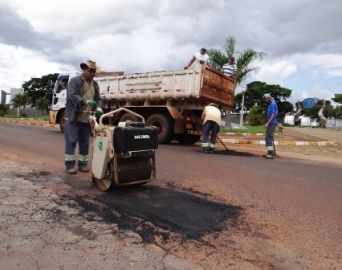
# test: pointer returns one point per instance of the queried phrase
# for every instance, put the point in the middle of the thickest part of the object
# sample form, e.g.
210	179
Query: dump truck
170	100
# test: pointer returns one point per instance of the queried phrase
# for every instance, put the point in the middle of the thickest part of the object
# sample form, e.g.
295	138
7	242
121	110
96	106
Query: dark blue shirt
272	108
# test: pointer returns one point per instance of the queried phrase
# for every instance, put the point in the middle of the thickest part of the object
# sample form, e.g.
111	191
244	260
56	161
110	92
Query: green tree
4	108
256	116
254	96
338	112
42	104
244	59
20	101
338	98
36	88
335	112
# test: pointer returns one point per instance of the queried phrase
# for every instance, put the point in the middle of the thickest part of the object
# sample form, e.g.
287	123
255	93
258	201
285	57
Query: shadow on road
220	151
229	152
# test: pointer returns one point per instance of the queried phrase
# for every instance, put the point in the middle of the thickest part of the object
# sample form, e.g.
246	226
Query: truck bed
201	83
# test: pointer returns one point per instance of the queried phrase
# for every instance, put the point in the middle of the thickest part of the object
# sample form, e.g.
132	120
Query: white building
15	91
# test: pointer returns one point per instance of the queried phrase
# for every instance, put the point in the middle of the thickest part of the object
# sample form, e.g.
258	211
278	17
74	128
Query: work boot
71	170
83	169
270	155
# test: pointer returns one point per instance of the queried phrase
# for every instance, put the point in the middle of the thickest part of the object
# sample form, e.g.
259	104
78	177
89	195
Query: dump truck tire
164	123
128	117
62	121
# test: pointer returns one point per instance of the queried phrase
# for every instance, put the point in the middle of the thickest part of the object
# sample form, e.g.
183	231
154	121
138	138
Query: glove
91	104
98	112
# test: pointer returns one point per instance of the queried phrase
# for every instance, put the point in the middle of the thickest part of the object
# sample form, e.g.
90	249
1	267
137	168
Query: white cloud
274	71
329	65
316	91
18	65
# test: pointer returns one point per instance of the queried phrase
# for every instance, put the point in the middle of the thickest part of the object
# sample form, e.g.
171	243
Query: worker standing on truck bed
229	68
271	123
211	117
83	93
200	57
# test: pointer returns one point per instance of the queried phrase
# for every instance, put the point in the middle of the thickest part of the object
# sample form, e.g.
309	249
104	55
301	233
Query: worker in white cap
271	123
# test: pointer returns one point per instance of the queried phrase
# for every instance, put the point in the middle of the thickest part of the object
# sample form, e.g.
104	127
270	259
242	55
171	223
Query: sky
302	39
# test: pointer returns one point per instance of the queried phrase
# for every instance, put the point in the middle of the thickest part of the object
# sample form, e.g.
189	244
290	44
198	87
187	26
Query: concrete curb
296	143
247	134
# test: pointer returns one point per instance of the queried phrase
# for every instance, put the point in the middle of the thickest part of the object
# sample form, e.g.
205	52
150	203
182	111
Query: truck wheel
128	117
187	139
62	121
164	124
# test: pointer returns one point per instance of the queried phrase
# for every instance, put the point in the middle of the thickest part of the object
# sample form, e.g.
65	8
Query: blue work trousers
269	134
210	129
76	132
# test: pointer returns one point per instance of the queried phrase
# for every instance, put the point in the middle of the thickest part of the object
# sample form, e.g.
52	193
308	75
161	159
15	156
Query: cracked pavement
38	232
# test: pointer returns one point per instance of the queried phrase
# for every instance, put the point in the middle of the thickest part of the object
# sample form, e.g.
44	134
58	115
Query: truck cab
59	96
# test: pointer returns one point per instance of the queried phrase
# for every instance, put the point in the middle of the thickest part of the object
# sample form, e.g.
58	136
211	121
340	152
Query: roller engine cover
133	138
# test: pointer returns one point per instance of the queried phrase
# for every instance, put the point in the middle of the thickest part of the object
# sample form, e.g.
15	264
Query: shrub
256	116
4	109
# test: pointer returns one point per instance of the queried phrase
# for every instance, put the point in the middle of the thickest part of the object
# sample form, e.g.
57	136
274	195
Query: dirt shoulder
328	153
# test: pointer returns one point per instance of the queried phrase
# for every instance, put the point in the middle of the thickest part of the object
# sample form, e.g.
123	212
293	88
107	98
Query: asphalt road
278	214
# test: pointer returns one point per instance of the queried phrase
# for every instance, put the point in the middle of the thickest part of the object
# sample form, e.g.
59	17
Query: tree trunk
228	124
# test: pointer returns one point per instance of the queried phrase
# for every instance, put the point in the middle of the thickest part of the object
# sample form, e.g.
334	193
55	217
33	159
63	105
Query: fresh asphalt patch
150	211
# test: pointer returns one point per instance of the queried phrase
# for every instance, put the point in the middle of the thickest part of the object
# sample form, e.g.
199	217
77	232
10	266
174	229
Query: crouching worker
211	118
82	94
271	123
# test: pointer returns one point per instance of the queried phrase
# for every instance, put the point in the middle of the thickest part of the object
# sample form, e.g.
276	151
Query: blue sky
302	38
304	81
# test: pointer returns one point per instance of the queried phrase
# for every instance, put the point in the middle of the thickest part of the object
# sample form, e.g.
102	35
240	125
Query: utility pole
242	107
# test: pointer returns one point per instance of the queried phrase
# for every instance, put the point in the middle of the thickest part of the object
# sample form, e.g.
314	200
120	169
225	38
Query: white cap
267	95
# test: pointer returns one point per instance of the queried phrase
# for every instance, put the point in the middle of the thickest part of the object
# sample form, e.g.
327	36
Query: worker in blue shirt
271	123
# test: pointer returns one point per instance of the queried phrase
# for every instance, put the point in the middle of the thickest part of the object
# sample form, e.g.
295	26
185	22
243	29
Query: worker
82	94
200	57
63	85
211	117
271	123
229	68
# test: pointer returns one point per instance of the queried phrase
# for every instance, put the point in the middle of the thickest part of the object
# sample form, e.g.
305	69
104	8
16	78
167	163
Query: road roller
122	154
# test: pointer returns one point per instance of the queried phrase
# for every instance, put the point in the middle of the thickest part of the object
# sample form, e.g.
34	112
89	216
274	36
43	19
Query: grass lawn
246	129
36	117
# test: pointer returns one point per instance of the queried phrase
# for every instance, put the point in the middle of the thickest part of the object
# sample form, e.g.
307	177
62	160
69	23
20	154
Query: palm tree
219	57
20	101
42	104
